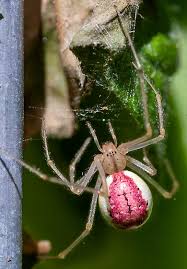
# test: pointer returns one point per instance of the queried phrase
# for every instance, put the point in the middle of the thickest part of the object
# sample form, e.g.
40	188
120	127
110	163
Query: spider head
109	148
113	160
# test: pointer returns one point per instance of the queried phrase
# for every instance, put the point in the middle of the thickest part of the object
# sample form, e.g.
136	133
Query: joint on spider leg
62	255
49	162
170	194
88	227
76	190
175	183
103	194
162	134
154	171
167	195
44	177
138	67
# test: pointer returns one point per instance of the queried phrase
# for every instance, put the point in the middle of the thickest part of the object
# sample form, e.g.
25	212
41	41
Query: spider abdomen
129	202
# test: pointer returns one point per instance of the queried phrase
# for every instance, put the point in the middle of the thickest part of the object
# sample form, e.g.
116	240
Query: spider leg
140	71
161	135
147	161
166	194
31	169
93	133
111	130
139	142
141	165
97	160
88	227
50	162
159	104
77	159
76	187
81	185
172	176
84	181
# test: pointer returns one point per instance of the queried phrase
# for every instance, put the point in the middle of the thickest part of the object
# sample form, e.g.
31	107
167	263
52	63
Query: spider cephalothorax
111	158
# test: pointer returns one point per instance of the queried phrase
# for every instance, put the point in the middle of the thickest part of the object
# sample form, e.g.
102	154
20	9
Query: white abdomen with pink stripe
129	202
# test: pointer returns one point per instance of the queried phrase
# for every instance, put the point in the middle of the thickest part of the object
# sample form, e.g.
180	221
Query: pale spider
125	199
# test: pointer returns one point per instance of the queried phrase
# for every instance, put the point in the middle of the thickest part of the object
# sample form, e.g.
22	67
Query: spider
125	200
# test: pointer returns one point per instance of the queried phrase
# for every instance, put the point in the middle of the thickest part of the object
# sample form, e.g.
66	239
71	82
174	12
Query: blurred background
51	212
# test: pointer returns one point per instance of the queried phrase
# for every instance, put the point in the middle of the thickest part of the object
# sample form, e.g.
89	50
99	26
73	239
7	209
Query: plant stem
11	107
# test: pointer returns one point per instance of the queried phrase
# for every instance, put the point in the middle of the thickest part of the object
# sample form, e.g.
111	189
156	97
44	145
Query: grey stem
11	107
